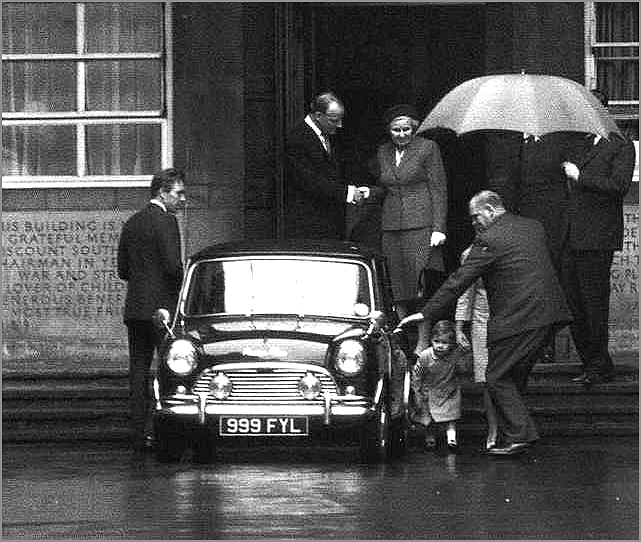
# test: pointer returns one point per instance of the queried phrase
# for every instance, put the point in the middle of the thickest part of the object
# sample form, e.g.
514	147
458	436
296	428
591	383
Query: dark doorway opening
374	56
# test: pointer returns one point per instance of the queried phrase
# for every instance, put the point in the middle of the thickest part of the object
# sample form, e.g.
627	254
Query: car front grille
262	385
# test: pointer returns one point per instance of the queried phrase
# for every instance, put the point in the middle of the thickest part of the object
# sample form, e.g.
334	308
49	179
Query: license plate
264	426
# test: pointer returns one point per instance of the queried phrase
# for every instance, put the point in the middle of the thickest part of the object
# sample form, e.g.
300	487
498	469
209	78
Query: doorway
377	55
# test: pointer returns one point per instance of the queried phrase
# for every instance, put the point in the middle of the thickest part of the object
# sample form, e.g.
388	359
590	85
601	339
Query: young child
437	394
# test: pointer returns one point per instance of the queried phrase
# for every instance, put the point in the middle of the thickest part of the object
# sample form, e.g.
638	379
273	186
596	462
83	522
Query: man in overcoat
526	306
597	180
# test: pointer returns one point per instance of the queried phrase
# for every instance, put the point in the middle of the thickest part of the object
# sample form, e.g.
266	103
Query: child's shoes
429	442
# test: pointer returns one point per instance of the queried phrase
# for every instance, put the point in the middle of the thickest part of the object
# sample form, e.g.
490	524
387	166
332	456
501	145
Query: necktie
327	146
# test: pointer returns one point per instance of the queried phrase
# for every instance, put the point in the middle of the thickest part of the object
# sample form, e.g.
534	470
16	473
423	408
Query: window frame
81	118
590	24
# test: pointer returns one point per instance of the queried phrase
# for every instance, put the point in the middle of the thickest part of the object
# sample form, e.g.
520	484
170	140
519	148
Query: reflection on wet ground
572	488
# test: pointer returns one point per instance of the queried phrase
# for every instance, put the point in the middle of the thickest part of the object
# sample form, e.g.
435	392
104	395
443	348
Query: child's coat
437	394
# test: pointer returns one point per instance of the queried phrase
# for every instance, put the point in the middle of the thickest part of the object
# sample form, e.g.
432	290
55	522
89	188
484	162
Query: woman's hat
400	110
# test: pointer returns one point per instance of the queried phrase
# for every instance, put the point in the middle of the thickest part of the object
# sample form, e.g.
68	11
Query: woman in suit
412	184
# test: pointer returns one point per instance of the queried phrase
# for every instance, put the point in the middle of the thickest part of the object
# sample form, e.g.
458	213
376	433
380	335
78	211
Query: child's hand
463	341
461	337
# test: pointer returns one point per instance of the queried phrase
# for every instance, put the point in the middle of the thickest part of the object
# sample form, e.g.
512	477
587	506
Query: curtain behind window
618	67
46	86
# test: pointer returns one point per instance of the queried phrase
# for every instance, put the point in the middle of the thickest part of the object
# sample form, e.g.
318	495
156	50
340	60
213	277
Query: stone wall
624	280
61	297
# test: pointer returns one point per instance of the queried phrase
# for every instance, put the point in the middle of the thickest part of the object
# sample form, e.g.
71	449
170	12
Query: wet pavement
564	488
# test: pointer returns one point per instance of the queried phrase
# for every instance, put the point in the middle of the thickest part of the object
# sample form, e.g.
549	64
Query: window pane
38	150
38	86
123	27
619	78
130	85
617	21
123	149
38	27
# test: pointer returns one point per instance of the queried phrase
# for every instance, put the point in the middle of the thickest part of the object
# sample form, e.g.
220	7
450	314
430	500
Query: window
84	93
612	58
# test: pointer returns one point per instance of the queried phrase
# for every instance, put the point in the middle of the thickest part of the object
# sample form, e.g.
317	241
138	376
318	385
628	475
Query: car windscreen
301	286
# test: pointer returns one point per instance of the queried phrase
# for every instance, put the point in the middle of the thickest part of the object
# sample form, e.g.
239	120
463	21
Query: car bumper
329	412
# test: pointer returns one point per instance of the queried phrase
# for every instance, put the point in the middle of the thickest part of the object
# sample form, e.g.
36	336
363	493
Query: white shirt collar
160	204
312	125
399	155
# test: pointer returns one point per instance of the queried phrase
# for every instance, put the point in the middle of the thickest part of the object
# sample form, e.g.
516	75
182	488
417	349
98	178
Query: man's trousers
585	278
143	340
509	365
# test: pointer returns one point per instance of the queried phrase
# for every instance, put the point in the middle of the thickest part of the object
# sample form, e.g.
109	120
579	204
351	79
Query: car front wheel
375	438
203	446
170	440
399	439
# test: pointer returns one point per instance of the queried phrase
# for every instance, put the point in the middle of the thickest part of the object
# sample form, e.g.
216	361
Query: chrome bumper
201	407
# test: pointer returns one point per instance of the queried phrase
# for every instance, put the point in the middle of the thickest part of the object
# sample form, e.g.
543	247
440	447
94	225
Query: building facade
98	96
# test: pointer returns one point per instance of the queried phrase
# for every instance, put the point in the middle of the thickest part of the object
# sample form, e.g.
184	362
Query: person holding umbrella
526	307
598	180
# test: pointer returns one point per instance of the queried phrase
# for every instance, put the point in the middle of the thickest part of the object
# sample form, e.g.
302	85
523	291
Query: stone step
64	388
94	407
113	429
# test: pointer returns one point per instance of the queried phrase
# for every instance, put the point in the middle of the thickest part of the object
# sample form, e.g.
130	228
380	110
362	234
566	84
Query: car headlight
182	357
350	358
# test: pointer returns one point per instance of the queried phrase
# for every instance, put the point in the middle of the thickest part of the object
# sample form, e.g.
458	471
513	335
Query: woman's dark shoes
144	445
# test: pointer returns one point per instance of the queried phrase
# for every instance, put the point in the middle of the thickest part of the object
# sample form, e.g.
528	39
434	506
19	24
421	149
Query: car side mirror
161	320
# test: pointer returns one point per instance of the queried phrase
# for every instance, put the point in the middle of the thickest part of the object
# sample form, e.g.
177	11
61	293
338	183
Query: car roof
297	247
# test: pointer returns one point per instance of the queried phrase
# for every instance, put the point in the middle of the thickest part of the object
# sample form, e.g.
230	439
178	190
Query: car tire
375	438
399	436
203	447
170	441
399	440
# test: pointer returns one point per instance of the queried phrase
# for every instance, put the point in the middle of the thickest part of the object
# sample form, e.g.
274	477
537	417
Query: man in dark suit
149	259
316	194
598	180
526	305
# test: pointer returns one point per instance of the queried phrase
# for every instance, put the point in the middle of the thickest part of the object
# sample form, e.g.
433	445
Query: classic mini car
286	342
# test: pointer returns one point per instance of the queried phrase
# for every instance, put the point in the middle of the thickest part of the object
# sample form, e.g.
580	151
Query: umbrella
533	104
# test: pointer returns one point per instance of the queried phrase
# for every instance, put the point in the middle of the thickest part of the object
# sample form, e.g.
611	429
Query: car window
275	286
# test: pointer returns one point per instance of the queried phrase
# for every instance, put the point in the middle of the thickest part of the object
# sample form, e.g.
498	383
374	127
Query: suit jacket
532	182
523	292
415	192
149	259
315	193
596	199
